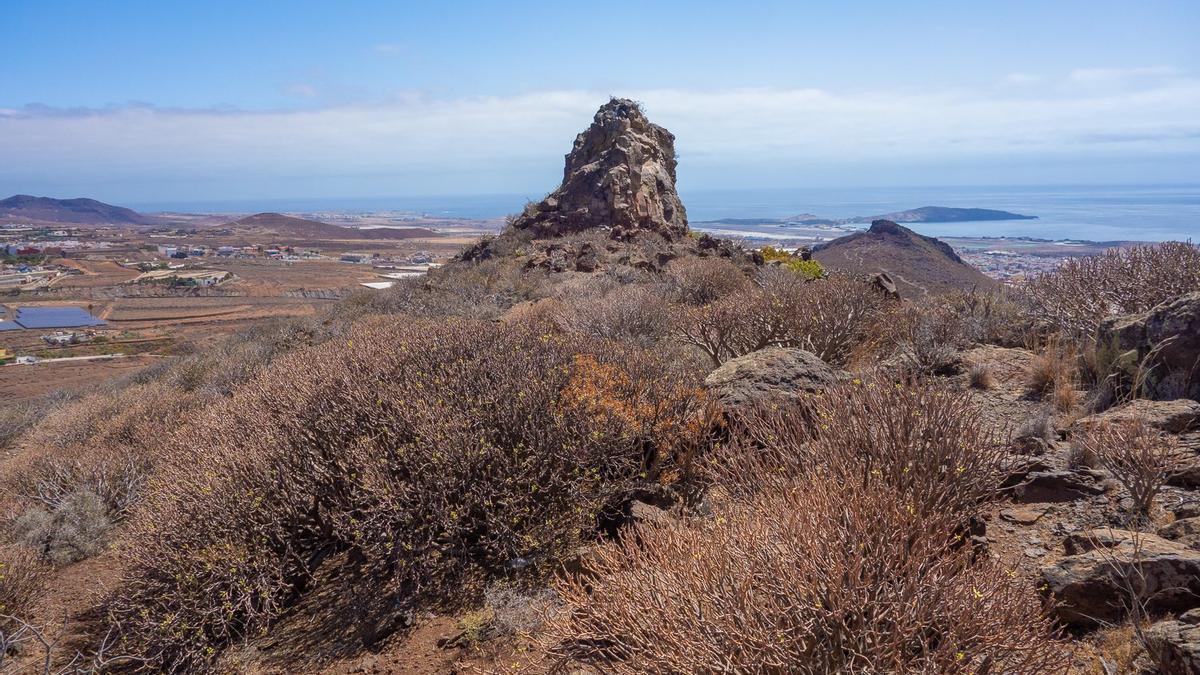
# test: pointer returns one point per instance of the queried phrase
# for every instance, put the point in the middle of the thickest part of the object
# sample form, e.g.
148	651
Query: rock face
1089	584
1174	646
769	374
1168	335
1173	417
619	175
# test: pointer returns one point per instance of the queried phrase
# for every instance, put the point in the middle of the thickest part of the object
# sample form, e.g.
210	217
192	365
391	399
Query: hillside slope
74	211
920	265
292	227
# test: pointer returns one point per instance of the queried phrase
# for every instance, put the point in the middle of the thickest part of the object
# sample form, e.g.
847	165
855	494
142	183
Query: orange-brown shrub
926	339
425	458
828	317
1082	292
816	577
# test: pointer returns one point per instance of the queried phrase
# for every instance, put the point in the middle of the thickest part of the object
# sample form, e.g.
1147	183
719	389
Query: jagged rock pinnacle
620	175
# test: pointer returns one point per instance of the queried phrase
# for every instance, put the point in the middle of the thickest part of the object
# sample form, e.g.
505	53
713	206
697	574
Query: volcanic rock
619	175
1090	584
769	374
1166	341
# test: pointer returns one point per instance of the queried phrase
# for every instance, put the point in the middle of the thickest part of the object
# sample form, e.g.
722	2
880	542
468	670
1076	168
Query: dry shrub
998	316
1141	458
828	317
819	577
1075	298
423	458
140	415
76	528
980	377
924	441
633	314
926	339
22	576
699	281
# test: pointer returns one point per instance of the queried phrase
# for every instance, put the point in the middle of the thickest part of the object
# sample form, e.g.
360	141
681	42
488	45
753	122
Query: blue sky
162	101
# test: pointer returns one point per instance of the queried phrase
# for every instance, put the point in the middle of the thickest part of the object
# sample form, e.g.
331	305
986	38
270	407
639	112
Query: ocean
1094	212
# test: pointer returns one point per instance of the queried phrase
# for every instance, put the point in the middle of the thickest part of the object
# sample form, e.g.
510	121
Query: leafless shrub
427	458
926	339
1075	298
924	441
699	281
516	610
1000	317
633	314
819	577
825	316
22	576
1140	457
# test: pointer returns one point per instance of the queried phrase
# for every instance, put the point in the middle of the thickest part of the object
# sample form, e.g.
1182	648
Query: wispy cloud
389	48
302	89
481	144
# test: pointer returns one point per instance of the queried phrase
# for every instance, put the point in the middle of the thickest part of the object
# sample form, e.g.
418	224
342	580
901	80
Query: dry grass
980	377
1053	369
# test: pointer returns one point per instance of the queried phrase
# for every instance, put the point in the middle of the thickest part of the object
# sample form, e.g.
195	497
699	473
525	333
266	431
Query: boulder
620	175
1185	531
1090	585
1174	646
1167	339
1036	487
770	374
1173	417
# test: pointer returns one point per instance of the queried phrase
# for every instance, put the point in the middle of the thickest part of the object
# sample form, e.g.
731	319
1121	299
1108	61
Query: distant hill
72	211
920	265
943	214
300	228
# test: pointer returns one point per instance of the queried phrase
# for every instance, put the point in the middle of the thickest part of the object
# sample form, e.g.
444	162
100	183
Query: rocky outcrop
1184	531
1173	417
1090	584
1174	646
1166	341
619	175
769	374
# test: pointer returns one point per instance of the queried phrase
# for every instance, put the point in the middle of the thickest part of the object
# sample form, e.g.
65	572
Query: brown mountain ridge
918	264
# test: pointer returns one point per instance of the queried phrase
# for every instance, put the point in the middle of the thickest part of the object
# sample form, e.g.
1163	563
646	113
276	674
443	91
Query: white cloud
492	144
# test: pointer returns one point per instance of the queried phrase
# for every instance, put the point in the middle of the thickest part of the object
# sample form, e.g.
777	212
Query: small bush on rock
1141	458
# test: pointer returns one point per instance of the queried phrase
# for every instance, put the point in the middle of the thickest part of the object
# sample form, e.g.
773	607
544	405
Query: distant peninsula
924	214
943	214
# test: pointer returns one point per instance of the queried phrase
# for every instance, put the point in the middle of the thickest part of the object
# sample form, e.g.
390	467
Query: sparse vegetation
1138	456
1083	292
490	448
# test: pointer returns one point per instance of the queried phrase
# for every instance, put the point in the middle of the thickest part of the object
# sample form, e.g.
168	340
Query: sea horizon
1138	212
